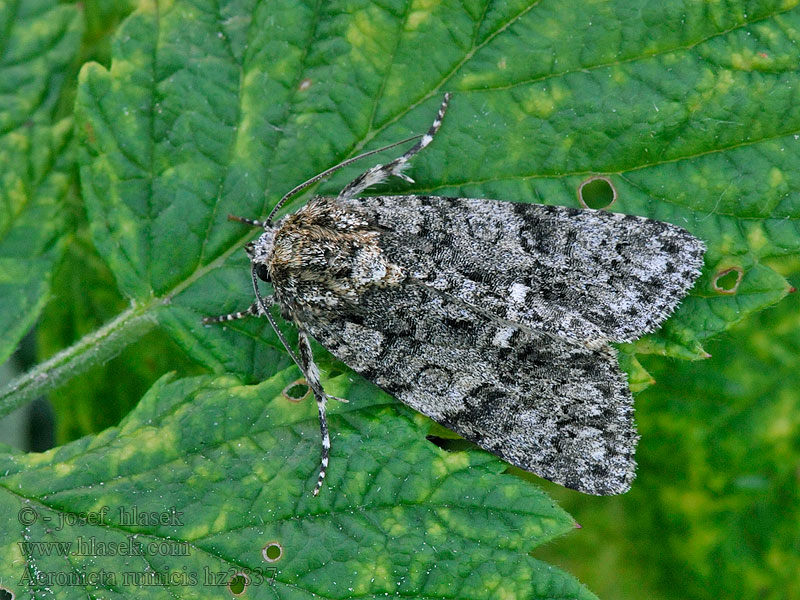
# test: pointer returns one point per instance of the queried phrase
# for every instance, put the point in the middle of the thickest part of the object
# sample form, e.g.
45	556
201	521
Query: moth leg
379	173
252	311
305	361
311	372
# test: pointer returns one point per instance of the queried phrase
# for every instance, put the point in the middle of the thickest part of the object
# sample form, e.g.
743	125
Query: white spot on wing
518	292
502	336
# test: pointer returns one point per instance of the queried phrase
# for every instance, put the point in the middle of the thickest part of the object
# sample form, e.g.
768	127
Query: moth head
260	253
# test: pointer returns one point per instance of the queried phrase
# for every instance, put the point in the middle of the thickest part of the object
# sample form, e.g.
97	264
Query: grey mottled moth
492	318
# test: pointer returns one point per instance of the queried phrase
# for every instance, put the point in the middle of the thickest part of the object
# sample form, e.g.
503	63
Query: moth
493	318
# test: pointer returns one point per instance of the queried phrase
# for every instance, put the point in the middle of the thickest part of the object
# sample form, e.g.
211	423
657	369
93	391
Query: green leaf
86	297
39	40
102	19
688	110
232	475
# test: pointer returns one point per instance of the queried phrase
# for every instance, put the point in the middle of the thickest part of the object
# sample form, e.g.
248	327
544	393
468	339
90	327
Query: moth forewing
493	318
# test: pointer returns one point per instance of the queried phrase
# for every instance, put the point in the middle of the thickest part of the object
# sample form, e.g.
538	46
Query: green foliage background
115	180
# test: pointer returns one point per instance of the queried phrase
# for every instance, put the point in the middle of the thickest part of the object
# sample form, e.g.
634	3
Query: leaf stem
90	350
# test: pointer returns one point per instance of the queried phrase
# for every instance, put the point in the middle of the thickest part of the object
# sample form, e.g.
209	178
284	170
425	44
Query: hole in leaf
272	552
304	85
597	192
6	594
238	584
727	281
296	391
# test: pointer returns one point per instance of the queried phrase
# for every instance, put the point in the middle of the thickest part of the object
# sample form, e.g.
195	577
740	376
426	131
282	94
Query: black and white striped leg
311	373
379	173
253	311
247	221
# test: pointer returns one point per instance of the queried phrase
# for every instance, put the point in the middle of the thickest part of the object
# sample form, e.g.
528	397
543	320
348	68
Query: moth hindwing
493	318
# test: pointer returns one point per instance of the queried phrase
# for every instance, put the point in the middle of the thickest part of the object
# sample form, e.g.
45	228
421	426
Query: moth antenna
333	169
310	371
263	306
